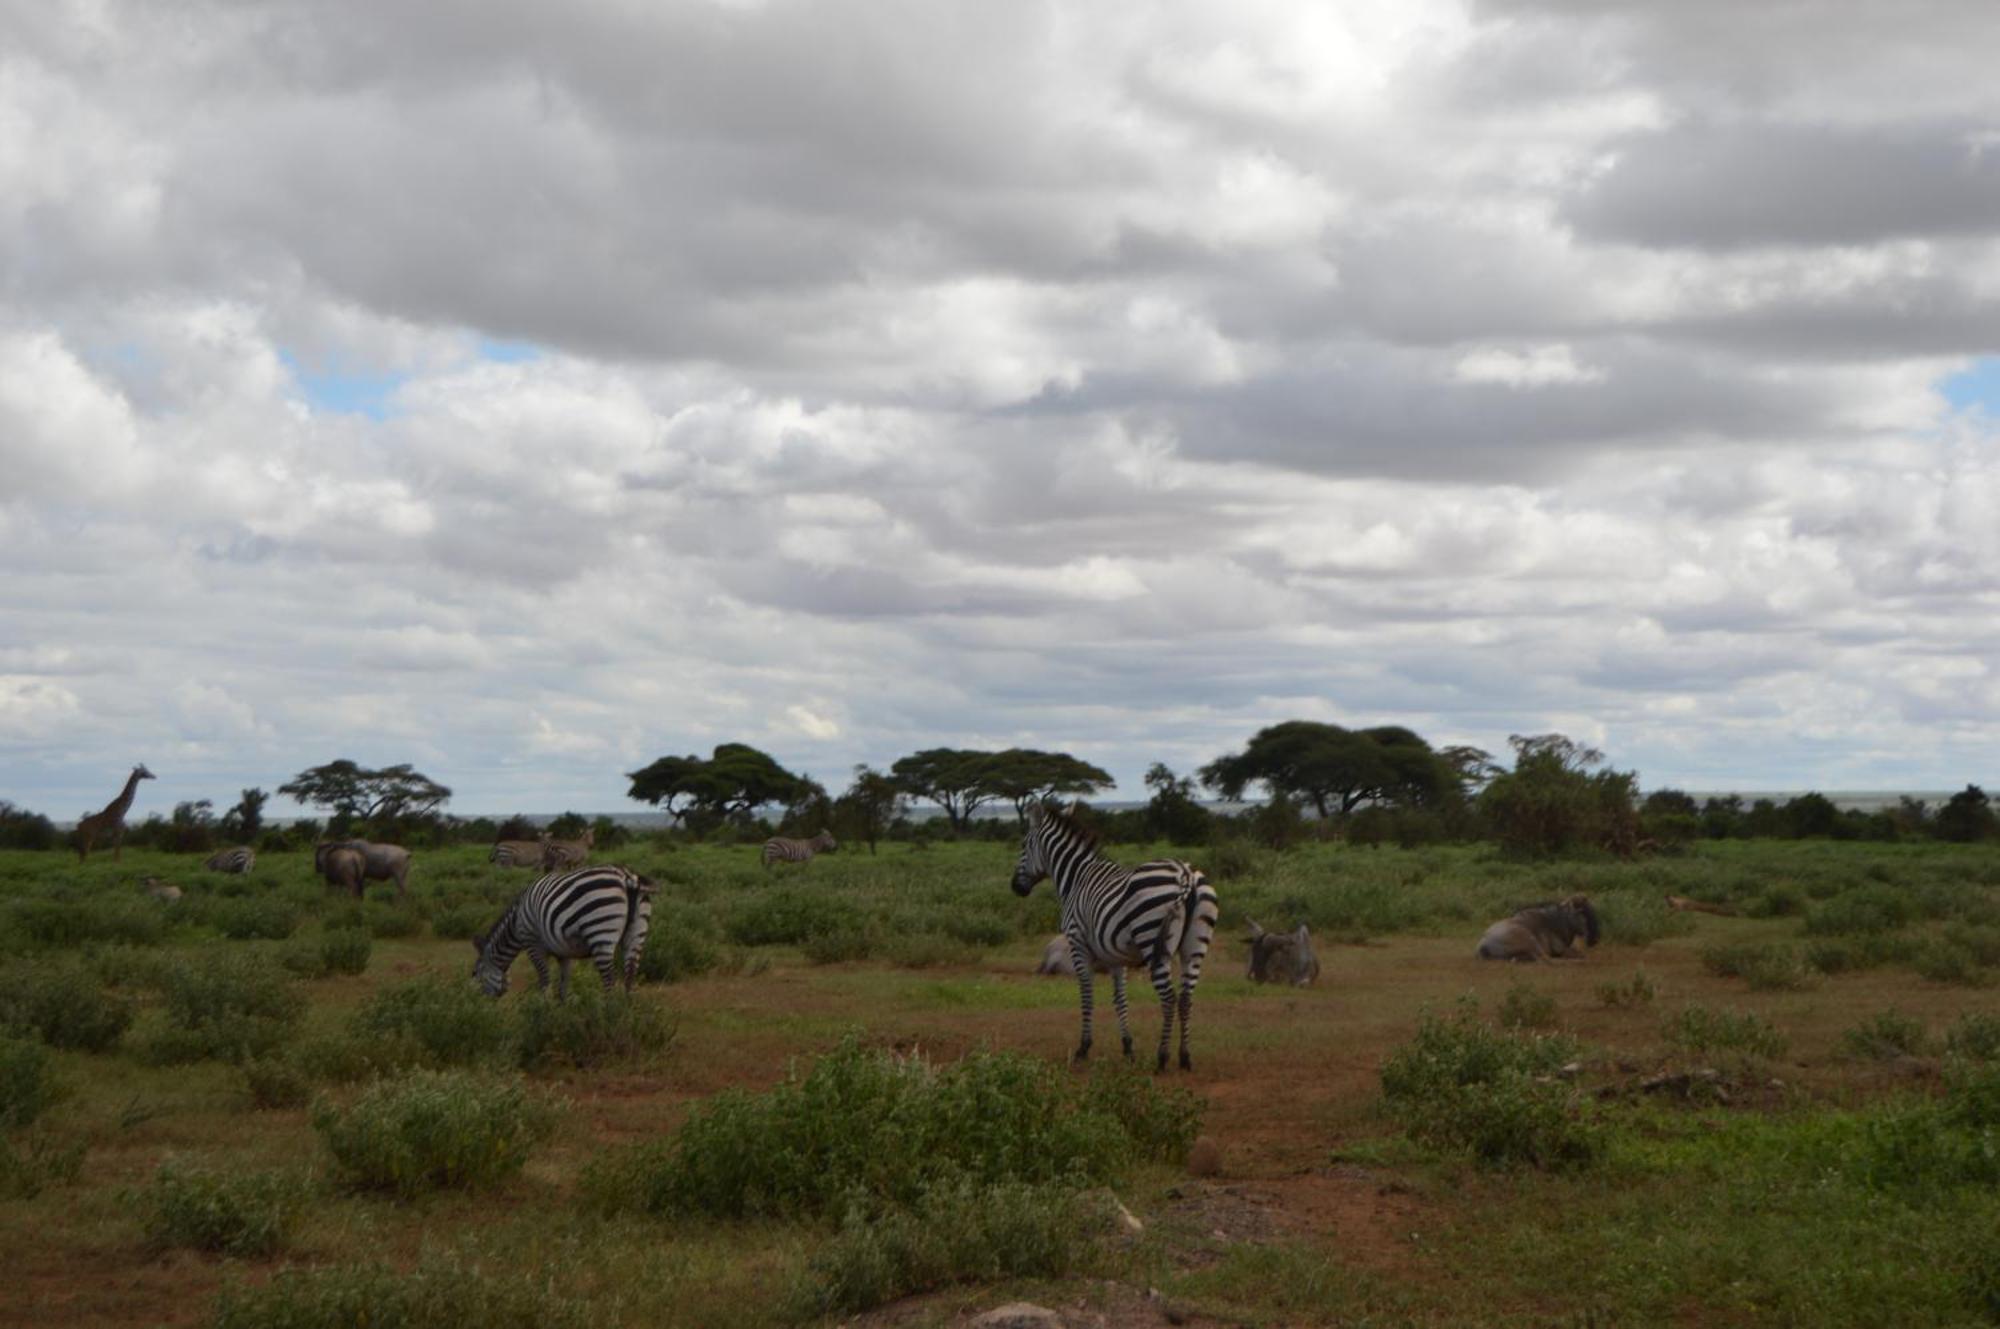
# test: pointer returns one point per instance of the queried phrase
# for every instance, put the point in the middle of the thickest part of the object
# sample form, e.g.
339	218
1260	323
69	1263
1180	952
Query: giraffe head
141	773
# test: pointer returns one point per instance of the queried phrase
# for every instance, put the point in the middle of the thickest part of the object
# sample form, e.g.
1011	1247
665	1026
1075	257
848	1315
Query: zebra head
487	970
1033	864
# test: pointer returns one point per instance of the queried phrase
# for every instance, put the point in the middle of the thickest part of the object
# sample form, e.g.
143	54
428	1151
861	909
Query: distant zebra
588	912
777	849
1117	916
238	860
520	853
557	854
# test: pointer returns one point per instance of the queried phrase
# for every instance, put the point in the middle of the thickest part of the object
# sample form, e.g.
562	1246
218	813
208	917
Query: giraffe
111	820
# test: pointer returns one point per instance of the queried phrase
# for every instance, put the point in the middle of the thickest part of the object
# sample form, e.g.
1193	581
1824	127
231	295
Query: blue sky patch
1977	388
334	387
506	352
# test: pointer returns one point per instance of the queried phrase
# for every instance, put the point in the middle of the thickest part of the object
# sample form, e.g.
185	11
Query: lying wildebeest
1056	960
1542	932
164	891
379	862
1282	957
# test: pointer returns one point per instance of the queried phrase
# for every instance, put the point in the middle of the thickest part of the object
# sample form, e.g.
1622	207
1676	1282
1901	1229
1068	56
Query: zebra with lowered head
520	853
592	913
778	849
1115	916
238	860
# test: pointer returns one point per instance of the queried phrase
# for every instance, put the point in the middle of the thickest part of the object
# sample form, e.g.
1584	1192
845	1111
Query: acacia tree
1333	768
1023	776
243	821
1172	814
869	805
699	793
1552	800
354	793
953	778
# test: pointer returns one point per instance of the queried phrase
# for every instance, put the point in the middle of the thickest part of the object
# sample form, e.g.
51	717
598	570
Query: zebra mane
1071	827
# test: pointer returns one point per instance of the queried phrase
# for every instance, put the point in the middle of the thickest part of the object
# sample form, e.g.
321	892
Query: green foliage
432	1129
839	945
1765	966
863	1122
438	1294
26	1086
223	1004
1524	1007
1943	960
346	950
1335	769
1974	1036
1638	990
263	917
450	1023
955	1232
680	945
388	921
1701	1030
1886	1035
1461	1086
1633	918
71	924
461	922
229	1212
1551	802
592	1028
30	1164
1852	953
354	793
789	916
733	780
274	1082
61	1002
1862	909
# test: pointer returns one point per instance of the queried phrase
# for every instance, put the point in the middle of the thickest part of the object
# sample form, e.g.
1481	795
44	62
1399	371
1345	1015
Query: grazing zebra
238	860
558	854
520	853
586	912
777	849
1115	916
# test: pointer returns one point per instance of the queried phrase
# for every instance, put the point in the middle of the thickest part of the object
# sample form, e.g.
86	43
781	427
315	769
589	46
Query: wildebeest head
1580	904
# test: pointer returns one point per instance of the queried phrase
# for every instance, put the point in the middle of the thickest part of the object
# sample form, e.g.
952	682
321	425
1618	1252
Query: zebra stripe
589	913
558	854
1115	916
519	853
777	849
238	860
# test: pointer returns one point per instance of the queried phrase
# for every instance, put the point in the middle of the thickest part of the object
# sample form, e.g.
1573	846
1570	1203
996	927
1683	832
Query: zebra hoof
1187	1062
1128	1049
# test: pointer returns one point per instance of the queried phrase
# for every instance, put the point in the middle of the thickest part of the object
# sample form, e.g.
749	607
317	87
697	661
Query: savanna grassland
840	1094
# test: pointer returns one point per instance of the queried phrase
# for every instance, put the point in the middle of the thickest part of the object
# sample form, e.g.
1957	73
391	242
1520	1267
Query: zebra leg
562	978
1163	983
541	963
1187	1013
1118	1000
607	967
1081	959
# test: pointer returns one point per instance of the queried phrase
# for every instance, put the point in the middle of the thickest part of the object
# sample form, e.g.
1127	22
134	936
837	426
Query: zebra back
593	912
238	860
778	849
519	853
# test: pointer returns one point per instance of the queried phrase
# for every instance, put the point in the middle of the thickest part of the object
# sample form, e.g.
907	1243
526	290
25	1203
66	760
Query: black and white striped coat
777	849
238	860
1115	916
593	913
520	853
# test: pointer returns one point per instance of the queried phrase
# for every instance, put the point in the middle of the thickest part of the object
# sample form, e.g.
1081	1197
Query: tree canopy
962	780
734	779
353	792
1335	769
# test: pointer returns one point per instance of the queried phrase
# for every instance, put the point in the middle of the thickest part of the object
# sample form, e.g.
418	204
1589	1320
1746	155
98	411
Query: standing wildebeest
1282	957
1542	932
343	867
379	862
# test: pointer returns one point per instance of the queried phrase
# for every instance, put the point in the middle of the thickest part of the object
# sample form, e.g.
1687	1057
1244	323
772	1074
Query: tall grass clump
1525	1007
789	916
1861	909
1635	918
1464	1087
681	945
1701	1030
592	1028
224	1004
445	1022
440	1293
71	924
865	1123
1974	1036
1638	990
1885	1036
265	917
1765	966
341	950
226	1211
27	1086
62	1003
434	1129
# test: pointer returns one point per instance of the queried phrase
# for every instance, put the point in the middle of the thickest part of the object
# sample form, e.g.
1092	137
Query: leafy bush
61	1002
1634	918
1861	909
863	1122
346	950
1777	902
787	917
438	1294
592	1028
453	1023
224	1004
432	1129
840	945
1525	1008
1851	953
462	922
1766	967
675	954
382	920
69	925
275	1082
1638	990
266	917
1464	1087
29	1165
1944	961
1699	1029
233	1213
1887	1035
955	1232
26	1087
923	950
1975	1036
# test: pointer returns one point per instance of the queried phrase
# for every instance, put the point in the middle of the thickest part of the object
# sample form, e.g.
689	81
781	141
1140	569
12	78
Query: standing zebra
1115	916
238	860
520	853
777	849
588	912
557	854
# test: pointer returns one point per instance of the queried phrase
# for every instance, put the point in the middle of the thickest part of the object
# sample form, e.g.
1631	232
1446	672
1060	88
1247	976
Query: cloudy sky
528	390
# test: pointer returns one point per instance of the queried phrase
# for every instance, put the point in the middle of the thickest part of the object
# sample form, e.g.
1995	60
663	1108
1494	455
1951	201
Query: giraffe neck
118	805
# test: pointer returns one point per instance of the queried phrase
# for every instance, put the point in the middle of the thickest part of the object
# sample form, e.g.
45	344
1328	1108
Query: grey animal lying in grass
1282	957
1056	960
1542	932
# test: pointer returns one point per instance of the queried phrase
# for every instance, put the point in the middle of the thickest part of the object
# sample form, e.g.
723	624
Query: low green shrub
1638	990
1974	1036
1941	960
592	1028
27	1086
231	1213
1861	909
1777	902
346	950
258	918
1885	1036
1853	952
389	921
453	1022
675	954
788	917
462	922
1636	918
440	1293
71	924
61	1002
1461	1086
1765	966
954	1232
840	945
1524	1007
862	1121
31	1163
225	1004
432	1129
276	1082
1701	1030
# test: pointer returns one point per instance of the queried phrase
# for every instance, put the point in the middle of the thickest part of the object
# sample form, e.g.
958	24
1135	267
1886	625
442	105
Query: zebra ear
1075	807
